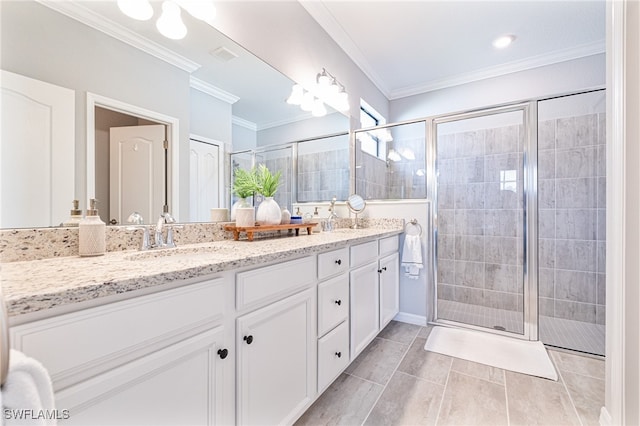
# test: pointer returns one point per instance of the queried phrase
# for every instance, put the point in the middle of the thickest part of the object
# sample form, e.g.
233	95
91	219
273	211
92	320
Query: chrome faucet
330	223
136	219
165	219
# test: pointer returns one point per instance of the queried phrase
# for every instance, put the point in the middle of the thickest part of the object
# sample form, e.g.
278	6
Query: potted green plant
245	184
269	212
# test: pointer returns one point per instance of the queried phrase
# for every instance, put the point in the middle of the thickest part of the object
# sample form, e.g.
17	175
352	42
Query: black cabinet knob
248	339
339	262
338	354
338	302
223	353
382	269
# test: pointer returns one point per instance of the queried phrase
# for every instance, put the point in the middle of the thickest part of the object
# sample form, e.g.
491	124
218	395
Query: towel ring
415	224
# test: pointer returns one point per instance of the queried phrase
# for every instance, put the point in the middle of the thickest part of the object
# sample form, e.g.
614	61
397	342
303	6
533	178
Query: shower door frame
530	212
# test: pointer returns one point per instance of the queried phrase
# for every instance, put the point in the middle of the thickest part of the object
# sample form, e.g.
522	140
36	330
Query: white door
37	152
204	182
137	173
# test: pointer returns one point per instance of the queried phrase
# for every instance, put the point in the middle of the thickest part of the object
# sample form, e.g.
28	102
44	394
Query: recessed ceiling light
504	41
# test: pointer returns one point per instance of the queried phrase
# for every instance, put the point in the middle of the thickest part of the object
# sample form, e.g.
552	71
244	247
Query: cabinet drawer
388	245
333	355
75	346
333	303
275	281
363	253
333	262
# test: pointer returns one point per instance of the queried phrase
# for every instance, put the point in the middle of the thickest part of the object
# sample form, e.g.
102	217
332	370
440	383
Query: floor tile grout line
384	387
573	404
444	391
506	398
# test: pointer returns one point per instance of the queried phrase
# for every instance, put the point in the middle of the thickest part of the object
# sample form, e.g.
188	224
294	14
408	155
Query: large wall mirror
217	93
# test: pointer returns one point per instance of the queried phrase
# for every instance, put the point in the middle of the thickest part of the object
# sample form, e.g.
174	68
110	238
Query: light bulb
504	41
307	101
170	24
318	109
295	98
136	9
342	100
323	79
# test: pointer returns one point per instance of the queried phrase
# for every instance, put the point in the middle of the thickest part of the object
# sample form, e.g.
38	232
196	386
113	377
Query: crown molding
508	68
86	16
244	123
212	90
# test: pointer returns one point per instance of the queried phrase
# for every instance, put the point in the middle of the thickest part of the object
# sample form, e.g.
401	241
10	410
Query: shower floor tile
562	333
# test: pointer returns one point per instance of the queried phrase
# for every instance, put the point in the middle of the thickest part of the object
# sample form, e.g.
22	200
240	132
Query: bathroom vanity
228	332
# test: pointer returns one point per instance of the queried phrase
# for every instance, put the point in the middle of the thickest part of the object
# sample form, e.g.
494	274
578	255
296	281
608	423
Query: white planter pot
241	202
245	216
269	212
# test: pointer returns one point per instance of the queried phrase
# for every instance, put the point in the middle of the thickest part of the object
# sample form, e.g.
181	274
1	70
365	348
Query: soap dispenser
92	232
76	215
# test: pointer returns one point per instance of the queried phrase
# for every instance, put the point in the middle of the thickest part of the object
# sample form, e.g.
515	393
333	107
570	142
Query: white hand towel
27	394
412	256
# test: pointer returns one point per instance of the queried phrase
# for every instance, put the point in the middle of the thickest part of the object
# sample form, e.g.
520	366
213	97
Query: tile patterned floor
559	332
395	381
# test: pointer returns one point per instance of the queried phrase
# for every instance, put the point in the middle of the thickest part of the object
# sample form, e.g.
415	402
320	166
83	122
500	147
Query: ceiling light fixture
140	10
503	41
203	10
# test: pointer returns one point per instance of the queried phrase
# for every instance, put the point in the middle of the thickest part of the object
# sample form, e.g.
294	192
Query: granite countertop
31	286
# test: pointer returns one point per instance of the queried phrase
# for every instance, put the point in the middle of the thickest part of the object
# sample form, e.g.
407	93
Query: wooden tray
250	230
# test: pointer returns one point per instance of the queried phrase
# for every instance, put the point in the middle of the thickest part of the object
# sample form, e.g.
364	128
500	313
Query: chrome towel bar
414	223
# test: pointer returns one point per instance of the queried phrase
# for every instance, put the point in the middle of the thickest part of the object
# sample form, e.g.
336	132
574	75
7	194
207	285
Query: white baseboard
605	417
411	318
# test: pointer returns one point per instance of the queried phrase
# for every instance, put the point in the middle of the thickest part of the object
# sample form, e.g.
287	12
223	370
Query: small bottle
92	232
76	215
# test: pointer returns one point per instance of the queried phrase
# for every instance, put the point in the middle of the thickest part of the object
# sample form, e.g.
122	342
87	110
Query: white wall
210	117
303	129
243	138
563	77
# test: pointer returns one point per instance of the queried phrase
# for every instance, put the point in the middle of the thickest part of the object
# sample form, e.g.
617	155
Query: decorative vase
245	217
268	212
286	217
241	202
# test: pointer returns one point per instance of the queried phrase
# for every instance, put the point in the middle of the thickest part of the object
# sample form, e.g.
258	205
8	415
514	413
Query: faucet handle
170	242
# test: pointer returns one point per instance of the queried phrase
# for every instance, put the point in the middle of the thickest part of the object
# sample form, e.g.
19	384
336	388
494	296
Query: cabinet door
389	289
277	361
364	297
181	384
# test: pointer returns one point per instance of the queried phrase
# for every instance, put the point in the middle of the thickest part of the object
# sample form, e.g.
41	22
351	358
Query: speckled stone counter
31	286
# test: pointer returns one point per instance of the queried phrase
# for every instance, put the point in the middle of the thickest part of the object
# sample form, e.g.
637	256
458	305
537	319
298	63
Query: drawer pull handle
339	261
223	353
382	269
339	354
338	302
248	339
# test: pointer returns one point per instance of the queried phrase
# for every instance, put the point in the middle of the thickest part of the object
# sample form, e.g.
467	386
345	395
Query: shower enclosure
518	219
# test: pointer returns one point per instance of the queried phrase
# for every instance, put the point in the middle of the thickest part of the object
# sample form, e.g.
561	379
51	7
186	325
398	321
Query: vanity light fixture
328	90
170	22
140	10
503	41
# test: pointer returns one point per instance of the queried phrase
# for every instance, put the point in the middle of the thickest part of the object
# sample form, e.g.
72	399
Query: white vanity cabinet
163	358
276	343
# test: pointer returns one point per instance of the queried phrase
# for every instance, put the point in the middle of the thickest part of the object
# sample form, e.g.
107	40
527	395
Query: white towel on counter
27	393
412	256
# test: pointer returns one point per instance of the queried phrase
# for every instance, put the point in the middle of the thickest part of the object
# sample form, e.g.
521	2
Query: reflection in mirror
323	169
181	79
390	162
278	159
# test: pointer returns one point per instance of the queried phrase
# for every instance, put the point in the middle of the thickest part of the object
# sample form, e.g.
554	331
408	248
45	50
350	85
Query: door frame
173	136
530	212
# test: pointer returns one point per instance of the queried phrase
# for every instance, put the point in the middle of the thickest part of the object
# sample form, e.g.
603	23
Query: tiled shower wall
571	188
480	238
323	175
407	177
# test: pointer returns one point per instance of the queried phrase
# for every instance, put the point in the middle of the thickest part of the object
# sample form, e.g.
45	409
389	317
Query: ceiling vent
223	54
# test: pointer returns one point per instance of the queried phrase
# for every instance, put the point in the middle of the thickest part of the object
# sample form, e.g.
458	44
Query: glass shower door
480	221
